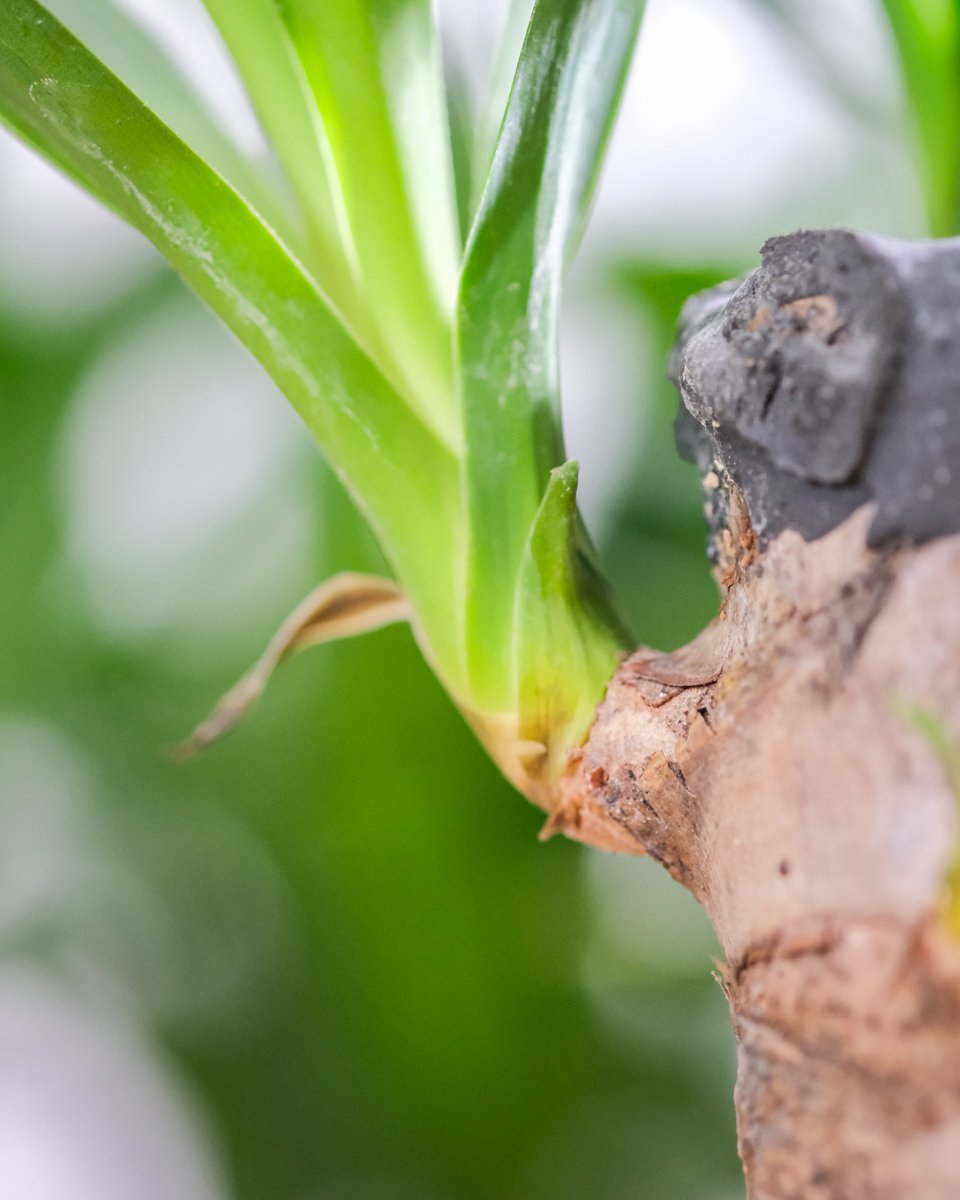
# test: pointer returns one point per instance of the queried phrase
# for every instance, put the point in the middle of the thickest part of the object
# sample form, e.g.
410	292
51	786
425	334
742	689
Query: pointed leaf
513	29
565	94
565	643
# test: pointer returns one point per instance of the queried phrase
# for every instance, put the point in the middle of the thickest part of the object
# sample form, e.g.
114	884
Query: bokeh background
330	960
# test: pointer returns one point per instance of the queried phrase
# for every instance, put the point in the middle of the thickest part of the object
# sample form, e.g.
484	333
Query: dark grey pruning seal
827	379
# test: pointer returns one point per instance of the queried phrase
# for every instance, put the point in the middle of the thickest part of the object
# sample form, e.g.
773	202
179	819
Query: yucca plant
425	365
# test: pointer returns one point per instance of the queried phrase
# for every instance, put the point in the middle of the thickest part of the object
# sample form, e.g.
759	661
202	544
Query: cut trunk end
778	766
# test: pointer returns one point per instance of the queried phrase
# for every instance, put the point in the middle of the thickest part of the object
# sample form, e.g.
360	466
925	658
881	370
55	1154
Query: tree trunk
784	766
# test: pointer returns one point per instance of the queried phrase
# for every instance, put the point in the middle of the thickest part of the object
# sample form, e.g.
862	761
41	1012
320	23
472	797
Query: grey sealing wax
828	378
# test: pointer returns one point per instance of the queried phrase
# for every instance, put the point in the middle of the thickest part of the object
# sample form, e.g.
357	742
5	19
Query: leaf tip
344	606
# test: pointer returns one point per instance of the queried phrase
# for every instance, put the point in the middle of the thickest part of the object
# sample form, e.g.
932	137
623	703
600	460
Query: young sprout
427	371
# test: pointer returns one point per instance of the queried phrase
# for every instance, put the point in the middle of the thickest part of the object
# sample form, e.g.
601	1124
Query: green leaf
374	69
111	34
263	51
63	100
516	19
566	91
566	640
460	118
927	34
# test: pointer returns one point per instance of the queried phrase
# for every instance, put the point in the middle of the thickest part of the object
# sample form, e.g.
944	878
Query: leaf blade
567	88
566	640
261	47
65	102
374	65
513	28
115	37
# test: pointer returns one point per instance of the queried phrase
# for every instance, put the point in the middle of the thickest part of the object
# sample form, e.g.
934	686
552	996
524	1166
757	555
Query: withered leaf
344	606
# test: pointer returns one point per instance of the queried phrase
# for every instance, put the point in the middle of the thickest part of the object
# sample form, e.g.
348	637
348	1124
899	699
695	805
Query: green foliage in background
927	34
421	1030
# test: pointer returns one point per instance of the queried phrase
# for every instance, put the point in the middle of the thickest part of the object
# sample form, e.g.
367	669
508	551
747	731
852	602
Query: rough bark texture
772	765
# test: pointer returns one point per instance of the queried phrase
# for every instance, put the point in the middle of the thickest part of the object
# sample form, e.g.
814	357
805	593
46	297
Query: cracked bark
769	765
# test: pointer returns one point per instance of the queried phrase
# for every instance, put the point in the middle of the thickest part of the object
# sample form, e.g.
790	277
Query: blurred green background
331	960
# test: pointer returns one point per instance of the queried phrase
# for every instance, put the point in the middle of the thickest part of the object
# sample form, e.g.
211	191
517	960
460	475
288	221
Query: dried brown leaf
344	606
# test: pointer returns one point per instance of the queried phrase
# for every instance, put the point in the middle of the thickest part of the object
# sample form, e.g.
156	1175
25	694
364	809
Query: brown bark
772	766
